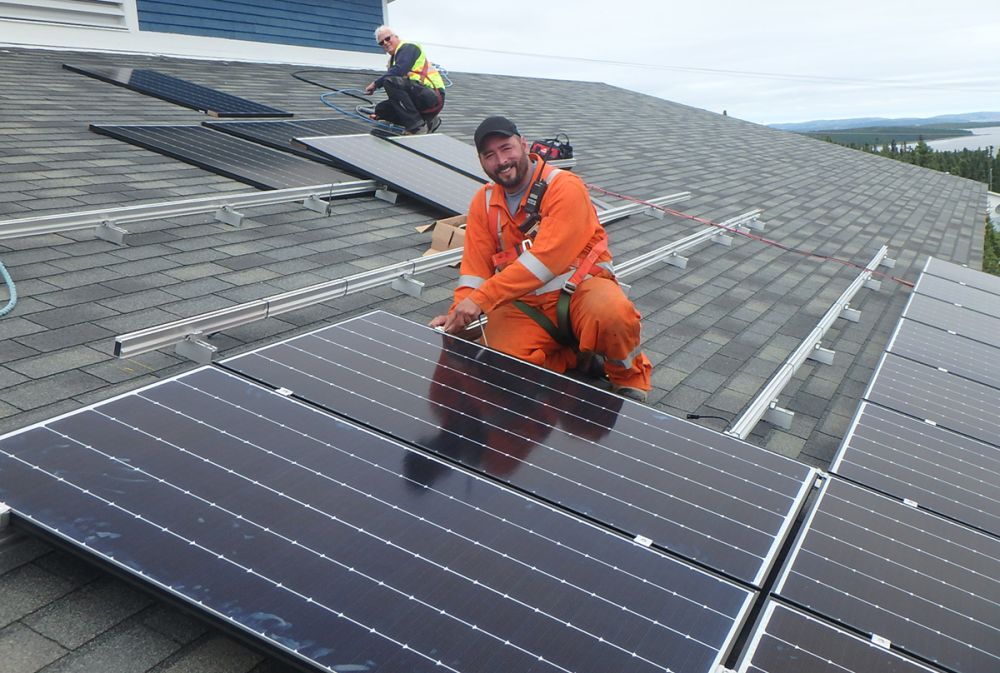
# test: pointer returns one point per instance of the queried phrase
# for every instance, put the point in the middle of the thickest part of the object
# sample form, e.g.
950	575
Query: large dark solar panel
231	157
944	399
926	584
938	348
404	171
956	319
349	551
279	134
937	469
695	492
959	294
791	641
962	274
445	150
179	91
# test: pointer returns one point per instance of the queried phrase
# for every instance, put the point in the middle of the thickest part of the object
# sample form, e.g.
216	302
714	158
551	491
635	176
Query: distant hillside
877	135
865	122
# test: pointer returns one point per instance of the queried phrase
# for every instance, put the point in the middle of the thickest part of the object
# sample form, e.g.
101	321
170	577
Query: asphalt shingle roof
716	331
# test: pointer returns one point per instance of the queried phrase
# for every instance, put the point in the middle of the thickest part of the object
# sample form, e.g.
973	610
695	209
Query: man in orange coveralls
533	241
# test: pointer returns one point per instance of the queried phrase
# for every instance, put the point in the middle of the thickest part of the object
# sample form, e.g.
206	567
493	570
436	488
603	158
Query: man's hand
464	312
370	89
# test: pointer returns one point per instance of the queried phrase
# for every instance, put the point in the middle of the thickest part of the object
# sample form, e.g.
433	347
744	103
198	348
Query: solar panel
179	91
953	318
349	551
939	470
404	171
962	274
447	151
938	348
279	134
941	398
678	486
961	295
929	586
791	641
234	158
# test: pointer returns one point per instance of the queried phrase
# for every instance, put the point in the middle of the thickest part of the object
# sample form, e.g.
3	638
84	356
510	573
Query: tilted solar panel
956	319
279	134
261	167
791	641
926	393
686	489
962	274
179	91
927	585
949	352
959	294
445	150
349	551
404	171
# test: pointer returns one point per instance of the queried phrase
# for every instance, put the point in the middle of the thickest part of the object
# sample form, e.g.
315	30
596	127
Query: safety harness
425	75
562	331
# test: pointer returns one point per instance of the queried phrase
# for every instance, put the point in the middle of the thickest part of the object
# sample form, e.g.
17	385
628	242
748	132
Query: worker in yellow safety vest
414	87
536	261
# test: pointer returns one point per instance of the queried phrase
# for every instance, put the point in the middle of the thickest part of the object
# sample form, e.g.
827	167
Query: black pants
410	104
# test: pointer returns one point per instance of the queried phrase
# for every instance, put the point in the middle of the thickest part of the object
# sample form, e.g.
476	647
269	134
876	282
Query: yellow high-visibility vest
423	72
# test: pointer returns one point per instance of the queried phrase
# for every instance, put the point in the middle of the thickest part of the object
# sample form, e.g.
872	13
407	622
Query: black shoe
433	124
590	365
631	393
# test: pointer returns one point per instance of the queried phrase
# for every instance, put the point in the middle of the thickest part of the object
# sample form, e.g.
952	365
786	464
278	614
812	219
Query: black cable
694	417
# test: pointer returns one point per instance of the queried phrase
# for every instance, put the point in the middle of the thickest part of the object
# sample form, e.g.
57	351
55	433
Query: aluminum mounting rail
188	334
765	405
107	221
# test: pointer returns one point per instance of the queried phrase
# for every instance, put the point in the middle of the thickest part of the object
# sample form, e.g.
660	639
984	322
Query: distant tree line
991	250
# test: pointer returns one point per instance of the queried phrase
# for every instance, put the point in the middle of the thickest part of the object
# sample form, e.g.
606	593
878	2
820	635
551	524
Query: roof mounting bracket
111	232
723	239
873	284
654	212
673	259
193	347
850	314
316	204
626	288
227	215
779	417
821	355
384	193
407	284
4	516
754	223
889	263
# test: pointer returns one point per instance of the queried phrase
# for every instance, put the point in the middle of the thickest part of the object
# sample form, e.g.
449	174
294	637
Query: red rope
747	234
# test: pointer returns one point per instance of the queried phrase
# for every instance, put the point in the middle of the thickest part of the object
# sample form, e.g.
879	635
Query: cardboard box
448	233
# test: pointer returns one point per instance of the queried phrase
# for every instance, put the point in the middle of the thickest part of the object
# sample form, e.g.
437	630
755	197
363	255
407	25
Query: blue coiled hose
13	291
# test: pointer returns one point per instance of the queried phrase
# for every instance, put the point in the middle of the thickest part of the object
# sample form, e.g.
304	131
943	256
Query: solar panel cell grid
179	91
445	150
346	549
958	355
949	317
702	495
234	158
929	586
957	293
927	393
961	274
279	134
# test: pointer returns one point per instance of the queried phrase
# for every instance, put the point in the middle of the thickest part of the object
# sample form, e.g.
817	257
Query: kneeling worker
536	261
414	86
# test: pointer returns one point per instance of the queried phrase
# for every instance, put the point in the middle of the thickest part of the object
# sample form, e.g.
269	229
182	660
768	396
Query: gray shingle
27	588
124	649
40	366
24	651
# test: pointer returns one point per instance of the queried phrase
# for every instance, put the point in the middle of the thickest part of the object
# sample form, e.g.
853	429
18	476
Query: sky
767	61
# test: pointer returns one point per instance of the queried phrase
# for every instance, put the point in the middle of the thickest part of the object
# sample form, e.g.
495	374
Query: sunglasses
385	40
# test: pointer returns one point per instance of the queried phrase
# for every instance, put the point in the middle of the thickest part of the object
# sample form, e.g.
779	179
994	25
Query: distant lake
983	138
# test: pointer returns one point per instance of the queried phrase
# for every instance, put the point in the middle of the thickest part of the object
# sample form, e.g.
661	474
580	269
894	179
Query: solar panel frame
947	352
404	171
934	468
178	91
788	640
962	274
928	394
953	319
74	460
225	155
280	134
550	441
446	151
888	570
959	294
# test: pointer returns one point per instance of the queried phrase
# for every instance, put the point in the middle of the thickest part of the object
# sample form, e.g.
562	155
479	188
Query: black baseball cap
491	125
